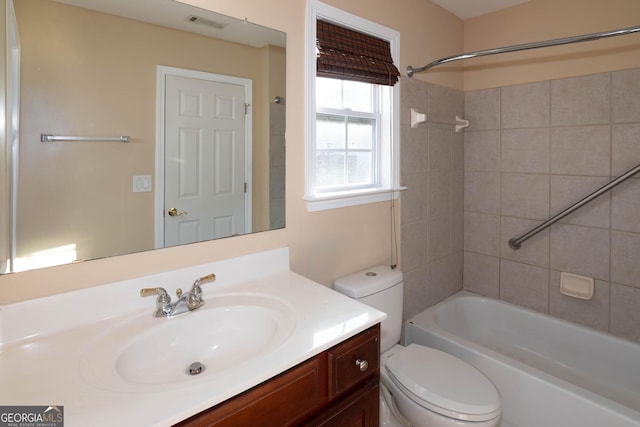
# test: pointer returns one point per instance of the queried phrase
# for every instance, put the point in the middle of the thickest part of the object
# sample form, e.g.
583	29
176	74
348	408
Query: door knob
174	212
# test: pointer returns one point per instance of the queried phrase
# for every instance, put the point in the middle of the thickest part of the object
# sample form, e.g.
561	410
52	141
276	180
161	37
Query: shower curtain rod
526	46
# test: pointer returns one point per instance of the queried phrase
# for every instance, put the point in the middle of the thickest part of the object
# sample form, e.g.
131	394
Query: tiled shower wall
531	151
432	207
277	126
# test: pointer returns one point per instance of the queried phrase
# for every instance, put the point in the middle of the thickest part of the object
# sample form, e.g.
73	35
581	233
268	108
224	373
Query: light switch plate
141	183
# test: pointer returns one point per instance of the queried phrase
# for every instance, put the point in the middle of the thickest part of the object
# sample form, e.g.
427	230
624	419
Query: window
352	126
347	135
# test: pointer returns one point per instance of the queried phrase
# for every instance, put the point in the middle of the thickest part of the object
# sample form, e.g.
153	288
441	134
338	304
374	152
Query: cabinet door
358	409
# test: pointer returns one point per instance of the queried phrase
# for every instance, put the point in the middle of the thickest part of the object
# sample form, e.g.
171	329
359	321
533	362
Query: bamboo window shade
351	55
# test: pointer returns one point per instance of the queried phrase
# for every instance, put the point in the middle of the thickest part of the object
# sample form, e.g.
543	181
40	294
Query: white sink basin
144	353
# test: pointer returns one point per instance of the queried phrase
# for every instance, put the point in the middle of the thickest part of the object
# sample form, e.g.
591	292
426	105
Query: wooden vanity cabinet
338	387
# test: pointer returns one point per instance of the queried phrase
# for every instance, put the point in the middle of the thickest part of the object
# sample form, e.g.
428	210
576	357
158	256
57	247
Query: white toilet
420	386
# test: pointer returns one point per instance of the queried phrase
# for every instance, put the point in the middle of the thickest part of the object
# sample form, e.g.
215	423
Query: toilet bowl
420	386
431	388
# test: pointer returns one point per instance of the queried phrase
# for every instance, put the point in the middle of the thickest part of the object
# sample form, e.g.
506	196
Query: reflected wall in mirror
90	68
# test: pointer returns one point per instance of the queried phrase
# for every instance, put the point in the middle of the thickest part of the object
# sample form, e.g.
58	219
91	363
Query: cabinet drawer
354	361
279	402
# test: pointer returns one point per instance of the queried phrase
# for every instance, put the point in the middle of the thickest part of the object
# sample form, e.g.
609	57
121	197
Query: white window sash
389	180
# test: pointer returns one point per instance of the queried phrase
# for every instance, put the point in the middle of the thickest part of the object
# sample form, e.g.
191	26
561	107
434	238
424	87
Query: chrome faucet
188	301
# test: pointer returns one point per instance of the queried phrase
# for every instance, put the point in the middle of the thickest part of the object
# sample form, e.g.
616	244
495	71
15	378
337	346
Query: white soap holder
461	124
576	286
417	118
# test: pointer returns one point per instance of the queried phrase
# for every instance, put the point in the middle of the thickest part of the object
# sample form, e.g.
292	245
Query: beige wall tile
440	194
593	313
524	285
482	233
625	258
482	192
457	265
457	229
438	236
625	96
567	190
580	250
415	291
583	150
414	198
625	149
440	143
533	251
625	316
525	195
457	152
525	106
413	94
525	150
581	100
413	245
439	284
481	274
482	109
414	152
482	151
625	206
444	104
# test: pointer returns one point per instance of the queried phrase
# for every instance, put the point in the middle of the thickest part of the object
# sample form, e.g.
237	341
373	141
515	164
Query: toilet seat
443	383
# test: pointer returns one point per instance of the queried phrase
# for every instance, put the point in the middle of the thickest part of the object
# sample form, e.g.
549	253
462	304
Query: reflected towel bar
516	242
526	46
50	138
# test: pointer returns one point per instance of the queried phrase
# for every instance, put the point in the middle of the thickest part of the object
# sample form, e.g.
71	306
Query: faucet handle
204	279
208	278
196	290
163	295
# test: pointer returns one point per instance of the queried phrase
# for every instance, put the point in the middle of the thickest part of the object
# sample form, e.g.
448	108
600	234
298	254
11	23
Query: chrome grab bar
526	46
516	242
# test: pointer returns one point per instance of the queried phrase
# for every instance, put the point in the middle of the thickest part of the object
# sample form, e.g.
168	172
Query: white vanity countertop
43	342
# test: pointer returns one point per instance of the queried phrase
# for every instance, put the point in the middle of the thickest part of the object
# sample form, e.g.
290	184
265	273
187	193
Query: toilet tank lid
368	281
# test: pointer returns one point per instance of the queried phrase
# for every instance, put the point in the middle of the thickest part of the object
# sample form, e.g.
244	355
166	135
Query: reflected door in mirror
206	146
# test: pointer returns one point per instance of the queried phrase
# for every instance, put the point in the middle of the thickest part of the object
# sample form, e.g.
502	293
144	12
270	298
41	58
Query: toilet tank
380	287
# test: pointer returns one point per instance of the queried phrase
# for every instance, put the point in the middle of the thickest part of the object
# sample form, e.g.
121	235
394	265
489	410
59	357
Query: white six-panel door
204	159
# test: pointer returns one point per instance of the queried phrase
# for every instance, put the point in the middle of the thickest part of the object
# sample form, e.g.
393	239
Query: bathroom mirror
199	96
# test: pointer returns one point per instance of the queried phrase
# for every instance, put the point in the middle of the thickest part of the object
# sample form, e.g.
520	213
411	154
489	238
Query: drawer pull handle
363	365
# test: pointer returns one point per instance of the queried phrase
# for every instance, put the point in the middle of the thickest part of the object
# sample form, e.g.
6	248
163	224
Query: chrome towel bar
526	46
516	242
51	138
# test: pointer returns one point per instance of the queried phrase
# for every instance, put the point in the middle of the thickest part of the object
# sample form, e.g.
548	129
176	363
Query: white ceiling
173	14
465	9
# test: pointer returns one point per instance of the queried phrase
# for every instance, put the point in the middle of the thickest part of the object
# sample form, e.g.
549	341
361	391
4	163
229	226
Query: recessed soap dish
576	286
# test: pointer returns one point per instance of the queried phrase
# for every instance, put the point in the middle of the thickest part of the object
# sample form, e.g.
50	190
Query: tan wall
81	192
324	245
539	20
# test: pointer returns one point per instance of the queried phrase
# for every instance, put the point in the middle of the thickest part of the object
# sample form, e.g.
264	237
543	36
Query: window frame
388	187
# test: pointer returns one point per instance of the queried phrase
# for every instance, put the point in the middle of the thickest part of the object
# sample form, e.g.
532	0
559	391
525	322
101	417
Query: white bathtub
549	372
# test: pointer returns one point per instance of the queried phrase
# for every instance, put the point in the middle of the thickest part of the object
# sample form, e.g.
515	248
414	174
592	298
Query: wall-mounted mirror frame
81	200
